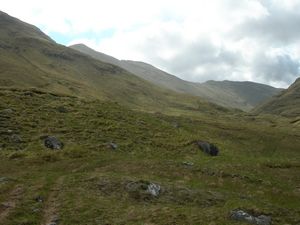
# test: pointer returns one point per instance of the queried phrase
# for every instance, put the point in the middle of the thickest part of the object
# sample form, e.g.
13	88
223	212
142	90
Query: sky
196	40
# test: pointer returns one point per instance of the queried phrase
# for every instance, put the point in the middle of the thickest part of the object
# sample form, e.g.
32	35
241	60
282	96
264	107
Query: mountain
287	103
30	59
71	154
241	95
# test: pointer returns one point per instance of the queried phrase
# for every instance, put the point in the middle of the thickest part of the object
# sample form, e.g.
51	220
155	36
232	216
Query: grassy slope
286	103
257	170
251	93
29	59
242	95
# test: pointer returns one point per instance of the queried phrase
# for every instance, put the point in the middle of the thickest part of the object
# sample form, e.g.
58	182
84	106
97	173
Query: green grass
29	59
257	169
286	103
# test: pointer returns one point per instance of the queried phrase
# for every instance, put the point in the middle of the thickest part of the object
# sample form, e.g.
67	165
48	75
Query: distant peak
19	28
79	45
3	13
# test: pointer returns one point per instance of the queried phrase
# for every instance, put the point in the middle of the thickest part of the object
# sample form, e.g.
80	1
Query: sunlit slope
30	59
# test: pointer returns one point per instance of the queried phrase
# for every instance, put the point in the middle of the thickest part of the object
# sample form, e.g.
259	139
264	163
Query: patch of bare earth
7	207
51	209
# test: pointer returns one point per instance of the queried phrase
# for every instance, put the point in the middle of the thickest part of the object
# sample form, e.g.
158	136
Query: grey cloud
280	68
279	27
215	62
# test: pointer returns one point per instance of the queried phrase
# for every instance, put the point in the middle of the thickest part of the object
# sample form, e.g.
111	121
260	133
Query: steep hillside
250	93
98	55
286	103
30	59
241	95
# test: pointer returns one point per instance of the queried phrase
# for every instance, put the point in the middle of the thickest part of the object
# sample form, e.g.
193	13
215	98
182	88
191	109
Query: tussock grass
257	169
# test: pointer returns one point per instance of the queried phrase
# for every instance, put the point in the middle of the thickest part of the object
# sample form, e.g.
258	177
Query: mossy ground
257	169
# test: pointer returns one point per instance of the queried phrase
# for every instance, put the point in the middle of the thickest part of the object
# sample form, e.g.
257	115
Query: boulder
185	163
243	216
53	143
208	148
143	190
112	145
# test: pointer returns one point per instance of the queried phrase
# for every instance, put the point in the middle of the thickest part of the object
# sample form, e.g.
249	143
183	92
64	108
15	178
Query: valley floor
88	182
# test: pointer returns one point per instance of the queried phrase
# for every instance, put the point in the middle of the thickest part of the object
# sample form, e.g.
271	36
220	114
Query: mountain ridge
29	59
216	92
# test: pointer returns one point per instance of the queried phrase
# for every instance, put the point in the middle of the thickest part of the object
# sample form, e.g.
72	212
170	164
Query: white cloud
194	39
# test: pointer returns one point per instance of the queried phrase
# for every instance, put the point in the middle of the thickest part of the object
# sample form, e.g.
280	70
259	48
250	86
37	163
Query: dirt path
13	199
51	209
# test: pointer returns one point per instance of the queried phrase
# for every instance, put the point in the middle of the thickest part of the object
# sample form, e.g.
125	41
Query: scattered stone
187	163
53	143
35	210
143	190
240	215
39	199
15	139
62	109
208	148
3	179
7	111
113	145
28	93
153	189
54	221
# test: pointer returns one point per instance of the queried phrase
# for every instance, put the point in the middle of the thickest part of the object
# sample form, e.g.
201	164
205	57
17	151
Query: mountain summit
30	59
13	28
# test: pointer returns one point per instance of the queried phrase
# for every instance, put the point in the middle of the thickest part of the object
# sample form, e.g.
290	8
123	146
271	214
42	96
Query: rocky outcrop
53	143
143	190
208	148
243	216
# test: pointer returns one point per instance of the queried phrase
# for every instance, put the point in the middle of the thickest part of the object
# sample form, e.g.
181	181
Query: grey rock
7	111
39	199
15	139
35	210
62	109
241	215
54	221
143	190
28	93
154	189
3	179
208	148
187	163
53	143
113	145
263	220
